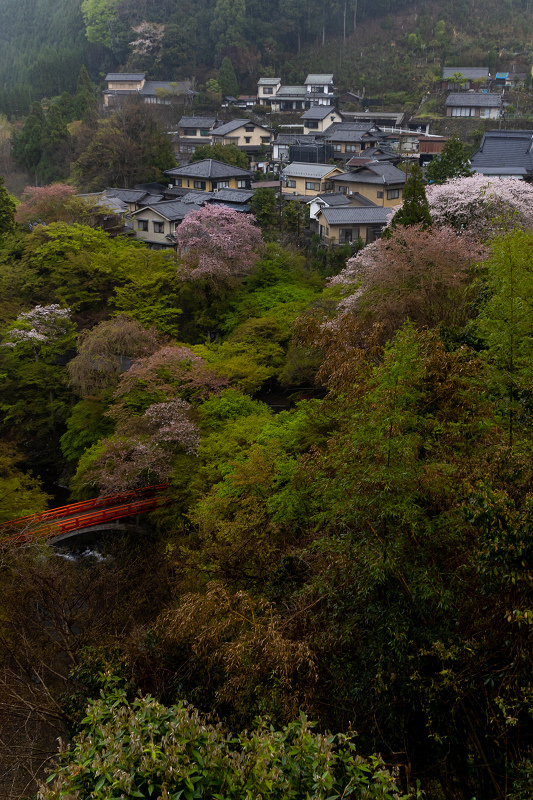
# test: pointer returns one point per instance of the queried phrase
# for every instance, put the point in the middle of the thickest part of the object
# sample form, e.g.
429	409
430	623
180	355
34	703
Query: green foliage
86	425
415	206
20	493
453	162
227	79
7	211
187	757
227	153
264	207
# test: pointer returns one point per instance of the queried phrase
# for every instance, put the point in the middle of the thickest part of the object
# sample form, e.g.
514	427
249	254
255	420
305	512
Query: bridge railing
84	505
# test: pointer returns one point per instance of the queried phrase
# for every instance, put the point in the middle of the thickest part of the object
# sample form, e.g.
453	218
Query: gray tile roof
332	199
268	81
169	209
208	168
373	172
197	122
232	195
228	127
319	112
314	78
473	100
290	91
128	195
354	215
198	198
125	76
472	73
298	170
504	153
295	138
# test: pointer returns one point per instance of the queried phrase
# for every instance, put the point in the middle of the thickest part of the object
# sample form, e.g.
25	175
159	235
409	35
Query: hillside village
346	168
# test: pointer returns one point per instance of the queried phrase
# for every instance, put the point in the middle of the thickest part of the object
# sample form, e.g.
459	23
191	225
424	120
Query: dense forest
361	559
385	46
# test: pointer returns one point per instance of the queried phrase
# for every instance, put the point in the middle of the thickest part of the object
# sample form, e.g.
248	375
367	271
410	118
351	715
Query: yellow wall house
319	118
156	224
380	182
247	135
309	179
209	175
349	223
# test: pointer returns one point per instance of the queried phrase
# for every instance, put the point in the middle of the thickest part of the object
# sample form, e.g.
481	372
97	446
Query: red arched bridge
79	516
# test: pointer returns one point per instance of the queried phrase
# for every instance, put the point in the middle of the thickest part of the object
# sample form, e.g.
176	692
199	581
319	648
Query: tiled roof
229	127
354	215
331	199
472	73
474	100
208	168
128	195
268	81
298	170
319	112
314	78
198	198
504	153
232	195
374	173
125	76
197	122
289	91
295	138
170	209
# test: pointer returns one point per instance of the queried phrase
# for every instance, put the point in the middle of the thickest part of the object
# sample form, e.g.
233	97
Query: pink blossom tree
217	243
418	274
484	206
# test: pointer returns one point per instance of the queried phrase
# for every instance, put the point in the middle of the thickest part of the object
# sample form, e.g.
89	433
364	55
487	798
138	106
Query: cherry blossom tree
41	325
217	243
54	203
484	206
418	274
126	461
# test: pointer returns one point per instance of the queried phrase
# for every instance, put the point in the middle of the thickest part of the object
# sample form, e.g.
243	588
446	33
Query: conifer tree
84	99
453	162
7	211
227	79
415	208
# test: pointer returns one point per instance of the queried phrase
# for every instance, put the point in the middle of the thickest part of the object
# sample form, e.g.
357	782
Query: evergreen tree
227	153
27	146
453	162
227	80
7	211
415	208
84	99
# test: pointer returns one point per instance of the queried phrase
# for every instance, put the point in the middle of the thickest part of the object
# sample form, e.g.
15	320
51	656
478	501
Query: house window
350	148
242	184
268	90
314	186
265	139
348	235
290	184
337	148
380	194
392	194
189	131
177	181
249	128
222	185
159	227
247	139
199	185
372	234
204	132
142	224
328	186
312	124
344	189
